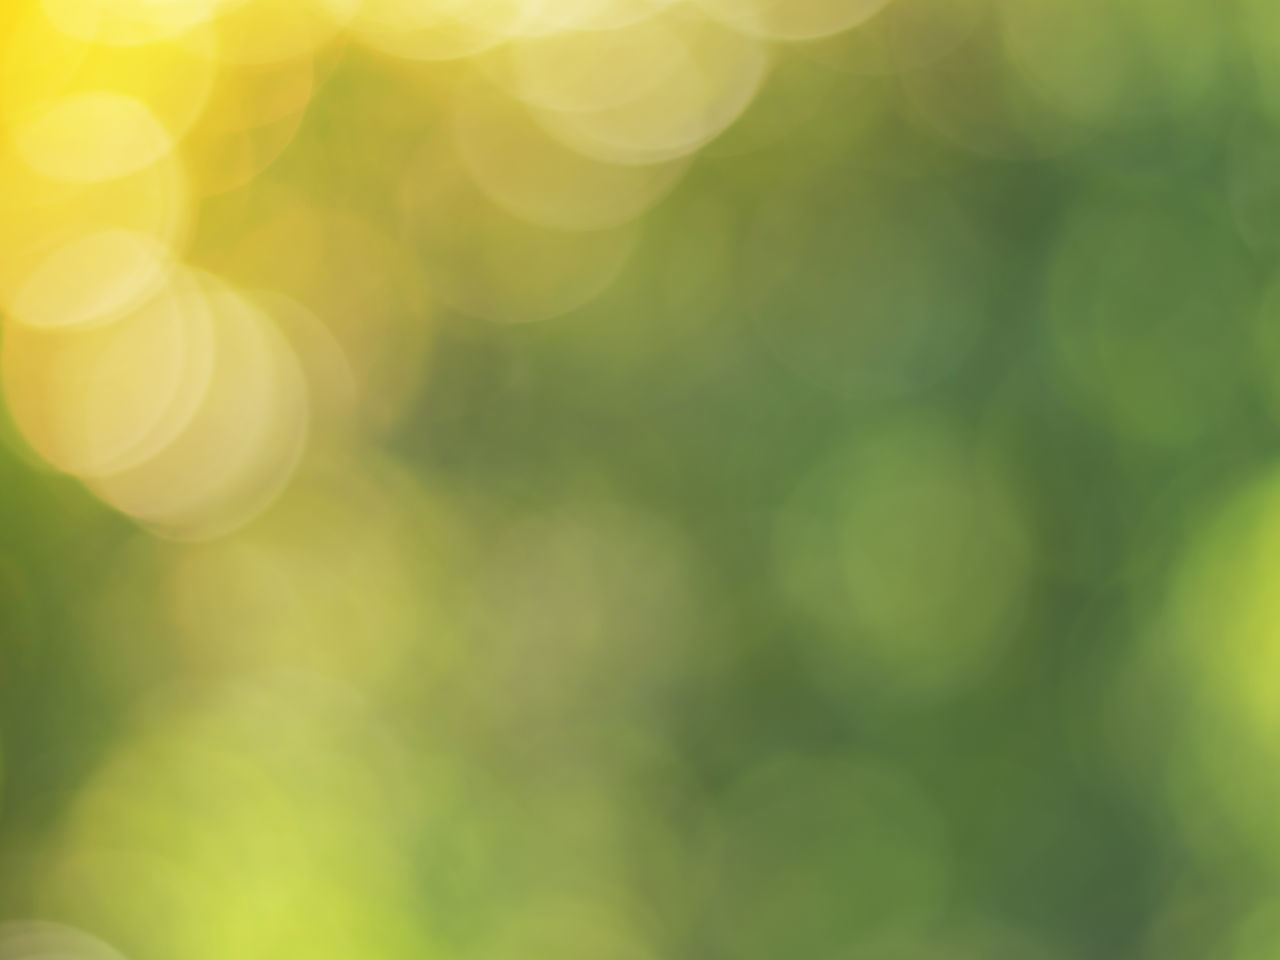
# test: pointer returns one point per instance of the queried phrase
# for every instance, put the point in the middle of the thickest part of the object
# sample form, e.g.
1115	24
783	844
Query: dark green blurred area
882	567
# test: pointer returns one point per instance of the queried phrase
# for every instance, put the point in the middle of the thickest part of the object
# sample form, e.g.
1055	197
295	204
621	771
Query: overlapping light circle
183	397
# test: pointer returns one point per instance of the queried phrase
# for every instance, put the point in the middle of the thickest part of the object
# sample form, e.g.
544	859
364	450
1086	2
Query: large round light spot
706	78
527	172
79	254
434	29
89	137
172	77
242	444
128	22
96	276
595	70
95	400
909	557
794	19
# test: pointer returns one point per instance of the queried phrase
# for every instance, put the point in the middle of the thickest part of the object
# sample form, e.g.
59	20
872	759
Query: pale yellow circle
73	254
580	70
520	167
331	382
40	66
541	17
434	29
240	447
100	274
710	77
128	22
794	19
90	137
95	400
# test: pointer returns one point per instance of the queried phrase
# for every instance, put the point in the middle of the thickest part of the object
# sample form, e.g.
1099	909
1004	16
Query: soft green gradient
855	539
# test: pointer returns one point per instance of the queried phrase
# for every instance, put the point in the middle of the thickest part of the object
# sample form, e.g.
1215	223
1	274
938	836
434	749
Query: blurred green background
871	553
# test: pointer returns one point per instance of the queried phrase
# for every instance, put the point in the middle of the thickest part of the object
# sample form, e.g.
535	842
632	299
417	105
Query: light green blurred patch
909	552
1223	627
263	821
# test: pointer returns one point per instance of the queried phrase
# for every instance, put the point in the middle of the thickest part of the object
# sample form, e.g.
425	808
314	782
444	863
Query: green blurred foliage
881	566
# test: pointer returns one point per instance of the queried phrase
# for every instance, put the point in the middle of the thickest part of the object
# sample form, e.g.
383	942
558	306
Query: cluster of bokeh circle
184	399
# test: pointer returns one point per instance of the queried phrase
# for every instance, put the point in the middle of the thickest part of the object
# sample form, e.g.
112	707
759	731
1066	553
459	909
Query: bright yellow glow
95	400
272	31
555	16
585	71
90	137
128	22
74	254
172	77
240	446
434	29
90	279
127	119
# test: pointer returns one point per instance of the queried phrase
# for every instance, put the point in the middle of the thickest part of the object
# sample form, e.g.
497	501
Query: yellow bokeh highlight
794	19
242	443
96	400
128	22
524	170
79	254
700	78
43	68
177	321
91	277
92	137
